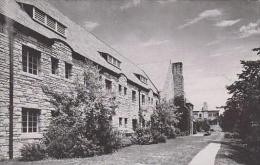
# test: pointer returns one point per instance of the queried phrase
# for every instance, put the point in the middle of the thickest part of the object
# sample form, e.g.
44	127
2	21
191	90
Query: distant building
205	114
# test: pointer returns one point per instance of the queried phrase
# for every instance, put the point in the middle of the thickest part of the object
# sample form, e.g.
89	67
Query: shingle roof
80	40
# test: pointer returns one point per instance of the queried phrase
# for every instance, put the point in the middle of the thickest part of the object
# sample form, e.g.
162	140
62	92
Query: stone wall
28	92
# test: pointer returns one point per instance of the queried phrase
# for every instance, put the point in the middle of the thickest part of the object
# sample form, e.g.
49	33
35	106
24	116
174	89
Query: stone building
44	47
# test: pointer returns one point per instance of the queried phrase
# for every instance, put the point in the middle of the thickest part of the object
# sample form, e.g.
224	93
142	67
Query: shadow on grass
235	150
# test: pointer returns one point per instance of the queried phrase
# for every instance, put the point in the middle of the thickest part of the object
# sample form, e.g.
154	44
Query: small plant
33	151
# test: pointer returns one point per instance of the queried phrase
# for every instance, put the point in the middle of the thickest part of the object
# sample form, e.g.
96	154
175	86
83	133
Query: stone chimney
178	79
173	85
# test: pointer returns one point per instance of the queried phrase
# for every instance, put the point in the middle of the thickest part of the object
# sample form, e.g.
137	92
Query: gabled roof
77	37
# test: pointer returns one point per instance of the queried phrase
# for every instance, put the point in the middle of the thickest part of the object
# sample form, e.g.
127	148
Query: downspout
139	107
10	30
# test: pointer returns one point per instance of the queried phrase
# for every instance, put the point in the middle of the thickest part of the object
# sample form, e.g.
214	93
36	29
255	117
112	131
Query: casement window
30	60
143	99
30	120
125	122
120	89
68	69
108	84
54	65
120	121
125	91
133	96
48	21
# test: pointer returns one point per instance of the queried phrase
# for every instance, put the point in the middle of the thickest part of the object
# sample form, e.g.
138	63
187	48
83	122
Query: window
120	121
149	100
125	122
133	96
119	89
48	21
143	79
143	99
30	60
125	91
134	124
54	65
152	101
68	69
30	120
199	115
108	85
113	61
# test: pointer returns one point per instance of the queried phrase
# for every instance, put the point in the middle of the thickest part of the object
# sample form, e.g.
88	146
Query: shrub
231	135
69	147
142	136
158	138
171	132
33	151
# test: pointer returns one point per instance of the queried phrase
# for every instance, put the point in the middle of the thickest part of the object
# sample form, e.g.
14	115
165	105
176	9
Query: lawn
233	152
177	151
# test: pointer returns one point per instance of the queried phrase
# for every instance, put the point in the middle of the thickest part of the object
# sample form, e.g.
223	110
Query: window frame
27	114
30	53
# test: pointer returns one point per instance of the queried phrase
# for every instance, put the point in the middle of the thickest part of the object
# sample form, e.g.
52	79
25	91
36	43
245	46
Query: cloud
130	4
250	29
227	23
203	15
90	25
153	42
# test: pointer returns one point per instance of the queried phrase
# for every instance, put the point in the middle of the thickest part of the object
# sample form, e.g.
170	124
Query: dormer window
110	59
141	78
48	21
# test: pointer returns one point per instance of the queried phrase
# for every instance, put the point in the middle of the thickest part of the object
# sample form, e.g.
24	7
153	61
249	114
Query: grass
177	151
233	152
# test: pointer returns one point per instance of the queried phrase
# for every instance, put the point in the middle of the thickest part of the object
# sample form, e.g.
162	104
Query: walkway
207	155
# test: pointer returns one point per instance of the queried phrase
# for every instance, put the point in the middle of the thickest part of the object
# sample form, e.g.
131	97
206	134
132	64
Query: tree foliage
81	120
242	112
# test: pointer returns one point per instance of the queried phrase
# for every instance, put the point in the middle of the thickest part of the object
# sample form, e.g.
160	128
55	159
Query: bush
232	135
69	147
171	132
33	151
142	136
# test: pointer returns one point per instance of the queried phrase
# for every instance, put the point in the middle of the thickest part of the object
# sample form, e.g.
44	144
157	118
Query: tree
243	108
165	119
81	121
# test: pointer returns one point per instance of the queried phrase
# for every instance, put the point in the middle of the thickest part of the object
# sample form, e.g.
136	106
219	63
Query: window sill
31	75
33	135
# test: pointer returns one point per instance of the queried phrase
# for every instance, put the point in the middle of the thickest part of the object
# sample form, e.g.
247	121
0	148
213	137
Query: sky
208	37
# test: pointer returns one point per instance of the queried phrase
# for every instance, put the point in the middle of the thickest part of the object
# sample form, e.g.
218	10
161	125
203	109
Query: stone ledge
31	136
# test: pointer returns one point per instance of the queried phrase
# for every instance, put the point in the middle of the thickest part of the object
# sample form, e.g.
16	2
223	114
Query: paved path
207	155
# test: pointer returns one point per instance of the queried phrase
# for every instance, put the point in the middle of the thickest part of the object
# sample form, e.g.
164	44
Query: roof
77	37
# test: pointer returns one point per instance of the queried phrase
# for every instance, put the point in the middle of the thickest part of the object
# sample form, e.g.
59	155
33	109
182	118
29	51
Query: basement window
49	22
30	120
